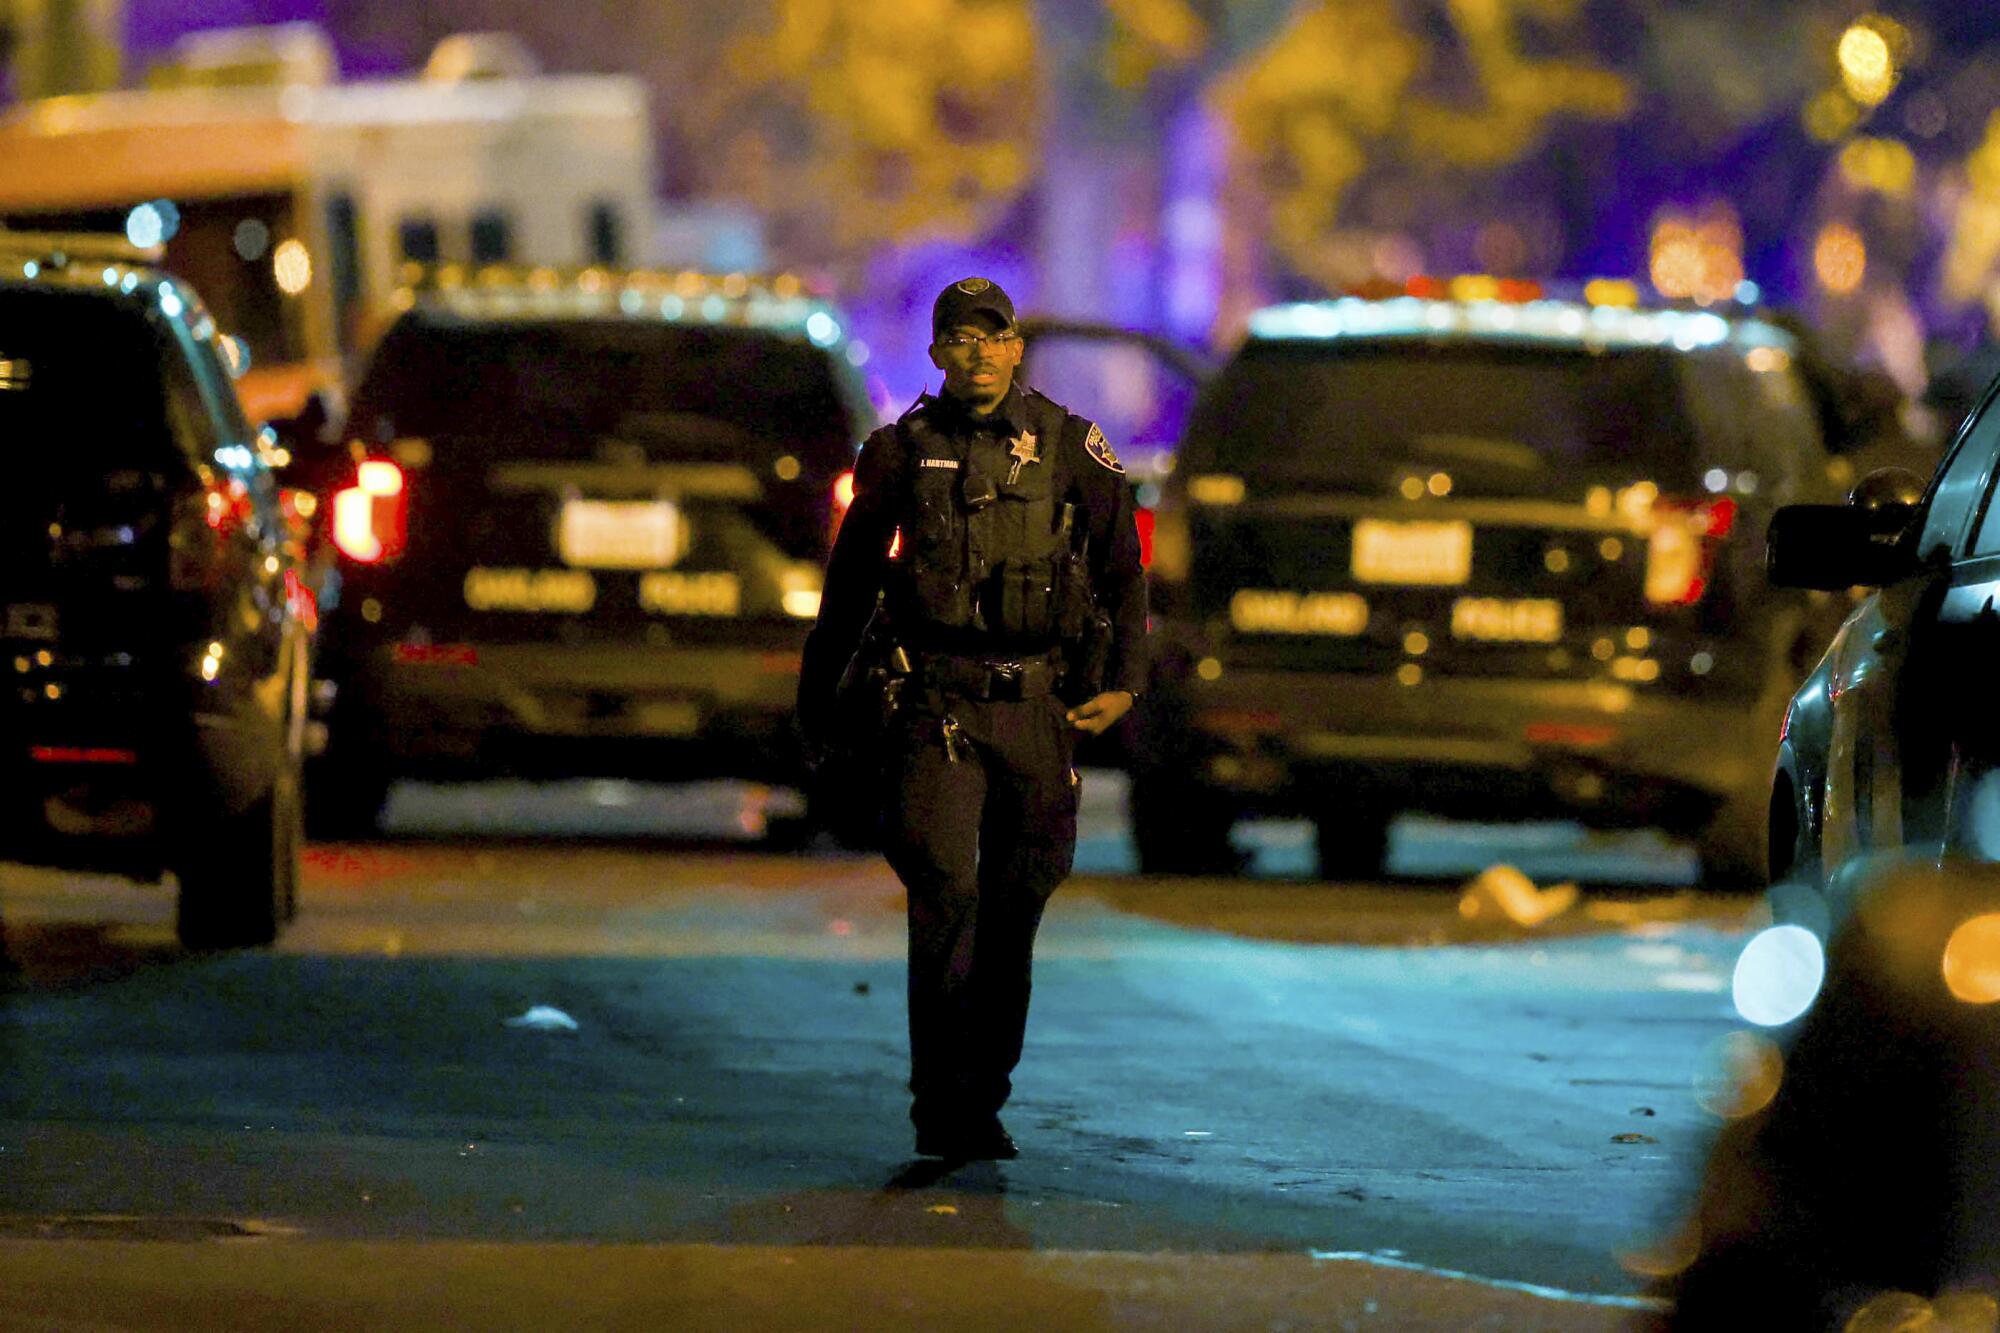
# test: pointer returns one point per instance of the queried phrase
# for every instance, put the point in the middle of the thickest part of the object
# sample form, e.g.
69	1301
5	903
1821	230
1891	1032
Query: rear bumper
121	800
1603	752
536	708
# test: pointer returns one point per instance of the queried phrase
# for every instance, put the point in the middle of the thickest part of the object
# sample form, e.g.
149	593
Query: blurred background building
1171	164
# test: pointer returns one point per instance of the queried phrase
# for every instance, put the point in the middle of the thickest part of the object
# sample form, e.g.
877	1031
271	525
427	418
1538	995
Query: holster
869	695
1087	659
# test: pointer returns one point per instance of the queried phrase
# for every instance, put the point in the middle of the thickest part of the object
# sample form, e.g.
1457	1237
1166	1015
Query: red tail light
371	517
81	754
1581	735
437	654
1144	518
1680	552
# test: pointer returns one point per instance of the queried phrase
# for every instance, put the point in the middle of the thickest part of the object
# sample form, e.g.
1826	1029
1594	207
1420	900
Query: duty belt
992	680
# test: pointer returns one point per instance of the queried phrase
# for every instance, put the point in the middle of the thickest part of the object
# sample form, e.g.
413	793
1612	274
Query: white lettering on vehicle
1275	611
1507	619
683	593
571	591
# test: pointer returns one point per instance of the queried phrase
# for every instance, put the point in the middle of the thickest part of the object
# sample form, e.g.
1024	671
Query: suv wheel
345	798
1352	843
239	884
1181	828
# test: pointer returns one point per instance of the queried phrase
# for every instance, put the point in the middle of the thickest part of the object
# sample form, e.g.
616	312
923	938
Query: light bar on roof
1537	321
500	291
796	315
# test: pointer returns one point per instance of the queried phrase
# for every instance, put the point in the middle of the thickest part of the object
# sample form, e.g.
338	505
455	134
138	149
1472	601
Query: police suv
577	524
1483	559
156	628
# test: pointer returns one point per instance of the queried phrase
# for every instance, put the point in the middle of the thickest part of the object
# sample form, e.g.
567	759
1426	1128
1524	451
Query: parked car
1887	745
156	631
1481	559
578	524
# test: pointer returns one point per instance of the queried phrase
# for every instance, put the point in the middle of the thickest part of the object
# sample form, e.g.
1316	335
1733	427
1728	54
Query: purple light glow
152	26
893	310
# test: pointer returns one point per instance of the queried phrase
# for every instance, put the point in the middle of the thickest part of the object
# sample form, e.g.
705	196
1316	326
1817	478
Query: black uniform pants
980	841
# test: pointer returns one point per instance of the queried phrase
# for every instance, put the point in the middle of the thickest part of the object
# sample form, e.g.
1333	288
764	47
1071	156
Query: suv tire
1180	827
1351	843
344	798
239	884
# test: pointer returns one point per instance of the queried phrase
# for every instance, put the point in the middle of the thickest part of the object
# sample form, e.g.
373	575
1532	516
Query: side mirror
1833	547
1887	487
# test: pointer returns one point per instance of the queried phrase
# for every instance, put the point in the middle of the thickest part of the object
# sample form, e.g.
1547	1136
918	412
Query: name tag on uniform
949	464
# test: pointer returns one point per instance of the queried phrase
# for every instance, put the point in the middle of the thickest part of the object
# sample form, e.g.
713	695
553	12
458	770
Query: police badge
1099	449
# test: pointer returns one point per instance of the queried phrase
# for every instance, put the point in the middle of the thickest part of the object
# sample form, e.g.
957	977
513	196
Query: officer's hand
1098	714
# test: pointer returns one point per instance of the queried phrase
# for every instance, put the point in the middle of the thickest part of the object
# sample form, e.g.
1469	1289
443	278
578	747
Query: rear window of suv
560	390
1307	413
76	366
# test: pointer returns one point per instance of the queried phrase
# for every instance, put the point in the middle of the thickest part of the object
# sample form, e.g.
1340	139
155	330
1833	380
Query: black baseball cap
958	303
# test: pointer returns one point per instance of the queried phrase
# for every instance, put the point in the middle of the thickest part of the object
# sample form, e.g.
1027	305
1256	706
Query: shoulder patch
1099	449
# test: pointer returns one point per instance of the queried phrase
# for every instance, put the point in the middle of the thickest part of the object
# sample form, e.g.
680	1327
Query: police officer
995	531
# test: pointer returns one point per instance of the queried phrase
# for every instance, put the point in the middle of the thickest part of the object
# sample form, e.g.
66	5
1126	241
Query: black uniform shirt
858	568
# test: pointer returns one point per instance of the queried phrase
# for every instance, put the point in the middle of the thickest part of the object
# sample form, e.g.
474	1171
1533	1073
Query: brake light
1680	550
81	754
371	517
1581	735
436	654
1143	518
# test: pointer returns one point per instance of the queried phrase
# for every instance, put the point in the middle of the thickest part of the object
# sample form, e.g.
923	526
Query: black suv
156	630
1484	560
578	523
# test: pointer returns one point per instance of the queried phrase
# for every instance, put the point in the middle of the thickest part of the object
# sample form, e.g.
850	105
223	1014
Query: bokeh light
1778	975
1867	63
1840	258
291	265
1962	1311
1830	115
1739	1076
1668	1254
1884	165
1972	960
1697	258
153	223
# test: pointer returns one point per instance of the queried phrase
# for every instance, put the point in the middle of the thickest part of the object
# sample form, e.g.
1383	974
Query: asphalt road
526	1065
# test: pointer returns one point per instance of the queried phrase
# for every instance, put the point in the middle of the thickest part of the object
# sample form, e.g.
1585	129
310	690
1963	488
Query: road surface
504	1074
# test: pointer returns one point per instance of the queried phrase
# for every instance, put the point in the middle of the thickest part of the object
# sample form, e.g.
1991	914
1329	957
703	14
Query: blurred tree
1352	88
1975	242
62	46
850	124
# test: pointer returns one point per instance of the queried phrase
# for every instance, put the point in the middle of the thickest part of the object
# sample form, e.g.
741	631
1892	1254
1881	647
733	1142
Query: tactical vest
982	559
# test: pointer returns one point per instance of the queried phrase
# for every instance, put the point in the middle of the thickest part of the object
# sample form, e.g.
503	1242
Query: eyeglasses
972	342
